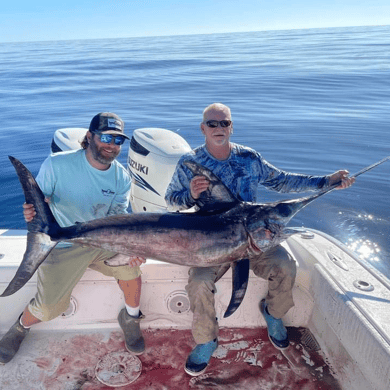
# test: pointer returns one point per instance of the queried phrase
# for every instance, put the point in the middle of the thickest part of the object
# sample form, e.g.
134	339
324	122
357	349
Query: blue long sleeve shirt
242	173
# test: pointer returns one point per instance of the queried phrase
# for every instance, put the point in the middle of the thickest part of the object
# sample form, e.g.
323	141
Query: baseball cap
107	123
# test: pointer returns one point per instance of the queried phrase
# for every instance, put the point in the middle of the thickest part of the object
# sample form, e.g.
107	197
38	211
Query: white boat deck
345	306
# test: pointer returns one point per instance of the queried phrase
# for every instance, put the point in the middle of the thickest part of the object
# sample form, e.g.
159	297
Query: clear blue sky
83	19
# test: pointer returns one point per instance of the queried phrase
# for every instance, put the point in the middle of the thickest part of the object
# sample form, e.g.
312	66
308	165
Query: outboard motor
69	138
152	159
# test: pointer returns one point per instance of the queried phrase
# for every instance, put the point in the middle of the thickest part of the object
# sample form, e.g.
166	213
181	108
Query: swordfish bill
224	230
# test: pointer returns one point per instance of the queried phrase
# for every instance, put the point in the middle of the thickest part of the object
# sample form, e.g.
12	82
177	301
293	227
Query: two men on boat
242	170
89	183
82	185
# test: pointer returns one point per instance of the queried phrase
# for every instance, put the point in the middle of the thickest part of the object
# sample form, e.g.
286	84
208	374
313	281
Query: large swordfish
223	231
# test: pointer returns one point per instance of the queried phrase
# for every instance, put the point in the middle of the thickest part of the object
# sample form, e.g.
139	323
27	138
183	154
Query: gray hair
215	106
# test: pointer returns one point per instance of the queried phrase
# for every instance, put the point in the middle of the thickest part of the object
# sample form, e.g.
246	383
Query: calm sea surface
311	101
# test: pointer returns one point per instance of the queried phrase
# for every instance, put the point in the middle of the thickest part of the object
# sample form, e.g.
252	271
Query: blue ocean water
311	101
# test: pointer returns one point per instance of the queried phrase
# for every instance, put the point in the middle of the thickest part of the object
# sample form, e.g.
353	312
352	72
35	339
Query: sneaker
277	333
11	341
199	358
134	340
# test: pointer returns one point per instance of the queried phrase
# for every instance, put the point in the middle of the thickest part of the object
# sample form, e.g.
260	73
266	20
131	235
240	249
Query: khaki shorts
61	271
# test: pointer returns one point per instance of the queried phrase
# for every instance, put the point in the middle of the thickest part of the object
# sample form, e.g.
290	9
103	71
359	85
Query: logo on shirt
108	192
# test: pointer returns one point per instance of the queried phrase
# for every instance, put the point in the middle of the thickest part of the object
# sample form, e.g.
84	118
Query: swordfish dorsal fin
217	197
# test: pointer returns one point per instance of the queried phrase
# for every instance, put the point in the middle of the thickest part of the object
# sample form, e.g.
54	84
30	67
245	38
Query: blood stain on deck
245	359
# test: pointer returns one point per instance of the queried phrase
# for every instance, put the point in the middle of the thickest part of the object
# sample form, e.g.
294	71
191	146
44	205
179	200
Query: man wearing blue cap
82	185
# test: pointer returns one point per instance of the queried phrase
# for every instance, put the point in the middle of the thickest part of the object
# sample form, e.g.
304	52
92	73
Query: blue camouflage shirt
242	173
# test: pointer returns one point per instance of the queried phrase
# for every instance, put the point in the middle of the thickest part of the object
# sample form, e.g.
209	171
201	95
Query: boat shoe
277	333
199	358
134	340
11	341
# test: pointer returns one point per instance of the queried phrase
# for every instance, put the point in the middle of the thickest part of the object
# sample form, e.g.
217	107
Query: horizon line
191	34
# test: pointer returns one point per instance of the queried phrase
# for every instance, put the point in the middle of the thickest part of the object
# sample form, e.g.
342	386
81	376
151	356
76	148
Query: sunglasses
213	123
107	138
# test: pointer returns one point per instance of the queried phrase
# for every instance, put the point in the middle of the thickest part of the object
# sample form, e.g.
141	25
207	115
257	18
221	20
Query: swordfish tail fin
39	245
40	230
44	221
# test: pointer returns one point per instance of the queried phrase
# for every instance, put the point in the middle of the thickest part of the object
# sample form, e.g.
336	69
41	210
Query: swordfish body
223	231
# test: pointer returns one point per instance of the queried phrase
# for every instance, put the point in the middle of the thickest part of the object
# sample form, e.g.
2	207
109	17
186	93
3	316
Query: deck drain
118	369
178	302
71	310
308	340
362	285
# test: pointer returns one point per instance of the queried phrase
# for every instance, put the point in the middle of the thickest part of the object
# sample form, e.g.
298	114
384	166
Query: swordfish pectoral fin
217	197
240	283
39	246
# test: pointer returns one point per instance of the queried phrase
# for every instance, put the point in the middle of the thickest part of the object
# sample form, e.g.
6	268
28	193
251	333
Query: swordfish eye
261	235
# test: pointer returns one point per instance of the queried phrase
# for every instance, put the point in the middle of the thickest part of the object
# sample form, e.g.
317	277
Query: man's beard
97	155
